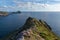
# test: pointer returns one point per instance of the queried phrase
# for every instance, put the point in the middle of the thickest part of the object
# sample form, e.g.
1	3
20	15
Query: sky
30	5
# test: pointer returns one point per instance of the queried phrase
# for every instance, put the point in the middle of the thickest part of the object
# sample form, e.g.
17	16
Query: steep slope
33	29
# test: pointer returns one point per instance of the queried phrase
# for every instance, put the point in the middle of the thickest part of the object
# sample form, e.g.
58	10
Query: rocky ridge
33	29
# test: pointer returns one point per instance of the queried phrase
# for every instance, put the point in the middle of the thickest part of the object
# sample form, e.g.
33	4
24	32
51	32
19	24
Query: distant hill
33	29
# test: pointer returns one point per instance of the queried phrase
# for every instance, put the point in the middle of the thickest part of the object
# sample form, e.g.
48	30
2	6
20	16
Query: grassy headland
33	29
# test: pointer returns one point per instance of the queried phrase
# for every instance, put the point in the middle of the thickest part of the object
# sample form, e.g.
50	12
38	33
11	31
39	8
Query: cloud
33	6
23	6
7	8
30	6
55	7
41	1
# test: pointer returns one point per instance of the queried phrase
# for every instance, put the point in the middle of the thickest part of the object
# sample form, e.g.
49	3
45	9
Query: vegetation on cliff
33	29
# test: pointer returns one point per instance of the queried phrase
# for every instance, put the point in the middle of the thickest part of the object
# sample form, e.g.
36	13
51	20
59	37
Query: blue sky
30	5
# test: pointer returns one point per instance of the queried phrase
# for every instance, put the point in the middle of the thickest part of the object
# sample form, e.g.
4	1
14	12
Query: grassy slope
42	30
38	28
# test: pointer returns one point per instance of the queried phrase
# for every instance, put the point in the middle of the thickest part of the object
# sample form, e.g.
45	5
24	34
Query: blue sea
14	21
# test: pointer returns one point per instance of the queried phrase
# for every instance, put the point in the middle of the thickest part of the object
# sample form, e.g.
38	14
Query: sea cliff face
33	29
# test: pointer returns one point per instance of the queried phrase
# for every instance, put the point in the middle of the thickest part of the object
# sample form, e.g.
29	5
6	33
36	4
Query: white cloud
55	7
31	6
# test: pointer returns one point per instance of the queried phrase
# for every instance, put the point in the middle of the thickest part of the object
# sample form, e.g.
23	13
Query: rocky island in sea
3	13
16	12
33	29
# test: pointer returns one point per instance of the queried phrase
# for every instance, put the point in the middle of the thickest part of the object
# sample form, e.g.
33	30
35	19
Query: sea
12	22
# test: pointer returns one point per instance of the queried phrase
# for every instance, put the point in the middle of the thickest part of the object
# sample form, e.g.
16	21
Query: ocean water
14	21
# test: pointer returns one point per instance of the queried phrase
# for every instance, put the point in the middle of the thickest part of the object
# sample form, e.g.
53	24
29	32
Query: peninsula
33	29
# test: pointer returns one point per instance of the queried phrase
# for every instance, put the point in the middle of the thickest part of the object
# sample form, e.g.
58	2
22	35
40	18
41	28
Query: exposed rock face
33	29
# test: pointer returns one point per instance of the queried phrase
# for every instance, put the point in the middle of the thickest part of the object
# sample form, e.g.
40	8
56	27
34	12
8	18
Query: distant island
17	12
33	29
2	13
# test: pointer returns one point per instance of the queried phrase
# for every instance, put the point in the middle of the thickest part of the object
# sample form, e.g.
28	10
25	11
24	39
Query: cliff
33	29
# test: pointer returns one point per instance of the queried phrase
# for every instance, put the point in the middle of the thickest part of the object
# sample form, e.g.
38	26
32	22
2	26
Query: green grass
44	31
